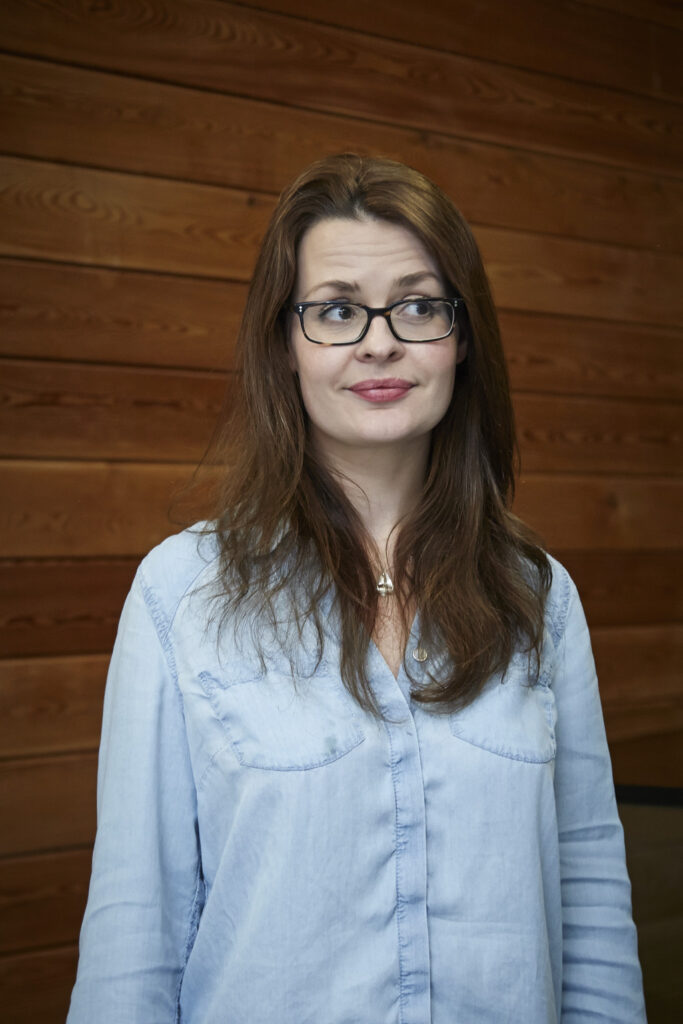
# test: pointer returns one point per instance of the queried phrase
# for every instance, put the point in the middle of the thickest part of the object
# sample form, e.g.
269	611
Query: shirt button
420	654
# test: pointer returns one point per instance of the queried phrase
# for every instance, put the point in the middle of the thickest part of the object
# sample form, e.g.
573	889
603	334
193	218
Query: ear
461	351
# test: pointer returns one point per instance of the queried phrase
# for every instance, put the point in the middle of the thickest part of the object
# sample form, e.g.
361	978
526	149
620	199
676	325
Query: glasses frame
457	310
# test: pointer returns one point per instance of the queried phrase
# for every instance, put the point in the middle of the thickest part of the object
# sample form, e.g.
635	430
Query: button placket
410	842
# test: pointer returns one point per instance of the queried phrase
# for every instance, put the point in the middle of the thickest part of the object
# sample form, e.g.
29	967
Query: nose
379	343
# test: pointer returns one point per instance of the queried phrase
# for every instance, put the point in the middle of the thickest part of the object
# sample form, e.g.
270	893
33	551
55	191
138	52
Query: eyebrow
352	286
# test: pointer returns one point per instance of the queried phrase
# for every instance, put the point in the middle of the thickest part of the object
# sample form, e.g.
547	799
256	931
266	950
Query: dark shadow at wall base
653	827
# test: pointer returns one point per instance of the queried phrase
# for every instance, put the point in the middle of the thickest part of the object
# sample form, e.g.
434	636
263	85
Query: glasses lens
334	323
422	319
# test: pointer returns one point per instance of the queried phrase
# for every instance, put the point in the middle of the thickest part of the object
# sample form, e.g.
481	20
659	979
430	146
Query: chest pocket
510	717
273	725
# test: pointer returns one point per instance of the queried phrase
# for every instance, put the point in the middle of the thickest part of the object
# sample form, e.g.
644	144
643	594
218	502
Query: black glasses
347	323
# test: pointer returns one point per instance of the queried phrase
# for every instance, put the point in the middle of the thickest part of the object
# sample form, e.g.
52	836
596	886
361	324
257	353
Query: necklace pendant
385	585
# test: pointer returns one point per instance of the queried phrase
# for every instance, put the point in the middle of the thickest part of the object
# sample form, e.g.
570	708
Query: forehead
343	248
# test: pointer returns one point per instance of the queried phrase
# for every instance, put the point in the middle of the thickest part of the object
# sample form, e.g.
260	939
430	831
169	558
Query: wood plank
43	899
71	509
114	316
627	588
104	218
61	793
641	684
581	279
97	217
72	410
596	47
602	513
51	705
87	117
567	355
227	48
598	435
61	607
36	986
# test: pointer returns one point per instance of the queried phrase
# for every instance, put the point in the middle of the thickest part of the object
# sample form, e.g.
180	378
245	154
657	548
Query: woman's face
380	391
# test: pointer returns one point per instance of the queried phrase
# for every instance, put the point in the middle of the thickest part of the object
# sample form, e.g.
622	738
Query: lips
385	389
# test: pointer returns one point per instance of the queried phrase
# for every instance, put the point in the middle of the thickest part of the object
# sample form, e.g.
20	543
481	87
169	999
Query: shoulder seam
560	607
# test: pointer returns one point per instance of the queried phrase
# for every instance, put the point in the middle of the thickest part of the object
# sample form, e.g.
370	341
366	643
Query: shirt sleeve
146	887
601	973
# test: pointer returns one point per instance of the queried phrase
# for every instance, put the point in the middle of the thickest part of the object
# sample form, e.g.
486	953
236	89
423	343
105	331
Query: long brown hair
286	529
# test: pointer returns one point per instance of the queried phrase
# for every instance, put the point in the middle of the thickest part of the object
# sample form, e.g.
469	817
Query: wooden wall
143	145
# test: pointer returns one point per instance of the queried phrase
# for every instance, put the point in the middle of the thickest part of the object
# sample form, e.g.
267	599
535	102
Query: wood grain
96	509
598	435
71	410
36	986
55	112
568	355
47	802
598	513
597	47
43	899
96	217
627	588
51	705
228	48
641	686
116	316
552	275
105	218
59	607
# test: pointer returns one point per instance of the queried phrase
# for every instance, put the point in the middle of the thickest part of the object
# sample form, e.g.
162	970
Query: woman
353	765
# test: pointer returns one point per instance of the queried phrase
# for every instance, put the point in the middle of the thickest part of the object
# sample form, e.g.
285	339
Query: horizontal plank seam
625	14
97	460
104	463
430	48
55	851
39	759
567	153
38	950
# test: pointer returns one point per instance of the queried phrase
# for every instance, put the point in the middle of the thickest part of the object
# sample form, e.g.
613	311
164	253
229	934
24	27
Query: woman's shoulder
560	597
177	565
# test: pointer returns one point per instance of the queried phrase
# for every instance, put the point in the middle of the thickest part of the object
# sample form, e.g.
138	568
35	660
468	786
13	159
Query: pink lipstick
386	389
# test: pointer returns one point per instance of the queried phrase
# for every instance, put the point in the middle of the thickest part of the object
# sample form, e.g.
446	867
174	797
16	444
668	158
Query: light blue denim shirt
271	854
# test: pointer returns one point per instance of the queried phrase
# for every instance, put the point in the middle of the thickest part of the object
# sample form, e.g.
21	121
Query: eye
336	312
415	309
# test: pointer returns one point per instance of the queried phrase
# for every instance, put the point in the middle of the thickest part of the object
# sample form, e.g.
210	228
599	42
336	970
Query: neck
383	484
